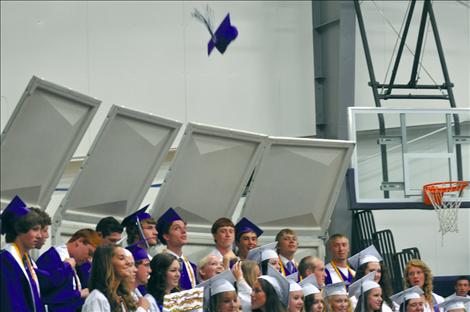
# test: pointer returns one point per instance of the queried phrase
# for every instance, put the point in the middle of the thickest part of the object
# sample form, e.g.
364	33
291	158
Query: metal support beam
419	43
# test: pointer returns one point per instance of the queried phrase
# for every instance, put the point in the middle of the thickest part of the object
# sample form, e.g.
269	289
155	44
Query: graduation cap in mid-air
222	36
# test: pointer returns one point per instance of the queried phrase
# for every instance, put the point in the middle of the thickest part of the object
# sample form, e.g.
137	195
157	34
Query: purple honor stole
188	274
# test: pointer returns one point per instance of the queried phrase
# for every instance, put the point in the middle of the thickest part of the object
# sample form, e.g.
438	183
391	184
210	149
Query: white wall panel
152	56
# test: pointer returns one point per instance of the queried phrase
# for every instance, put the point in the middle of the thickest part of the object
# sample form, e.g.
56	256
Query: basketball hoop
446	198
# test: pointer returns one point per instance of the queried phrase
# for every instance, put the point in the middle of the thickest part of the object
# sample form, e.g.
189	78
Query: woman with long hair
109	273
417	273
296	298
251	271
264	297
220	294
336	298
164	279
367	261
313	300
368	293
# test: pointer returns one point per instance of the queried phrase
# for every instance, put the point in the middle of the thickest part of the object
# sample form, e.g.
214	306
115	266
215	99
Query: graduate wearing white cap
369	260
220	293
409	300
313	300
265	255
296	295
336	297
455	304
462	287
270	292
368	294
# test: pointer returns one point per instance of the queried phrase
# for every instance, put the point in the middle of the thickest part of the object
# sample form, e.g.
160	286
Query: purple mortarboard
165	220
137	252
223	36
15	210
137	216
245	226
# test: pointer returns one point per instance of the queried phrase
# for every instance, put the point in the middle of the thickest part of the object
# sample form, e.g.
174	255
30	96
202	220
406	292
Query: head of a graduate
313	300
172	229
82	245
45	223
220	293
454	304
366	261
265	256
418	273
20	224
246	236
410	299
223	231
271	292
336	297
312	265
287	243
209	266
141	228
368	292
296	295
110	230
142	264
462	286
338	245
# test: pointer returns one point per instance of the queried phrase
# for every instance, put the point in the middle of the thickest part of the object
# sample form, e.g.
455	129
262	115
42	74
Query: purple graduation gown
58	292
83	272
185	281
14	286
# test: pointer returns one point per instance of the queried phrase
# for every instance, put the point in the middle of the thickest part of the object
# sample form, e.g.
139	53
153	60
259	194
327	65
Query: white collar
174	254
63	252
285	260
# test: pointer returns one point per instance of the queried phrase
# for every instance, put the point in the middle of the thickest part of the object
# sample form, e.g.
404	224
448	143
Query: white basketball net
446	204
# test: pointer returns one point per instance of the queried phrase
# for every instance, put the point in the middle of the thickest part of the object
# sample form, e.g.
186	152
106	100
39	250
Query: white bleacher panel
40	138
210	171
120	167
296	186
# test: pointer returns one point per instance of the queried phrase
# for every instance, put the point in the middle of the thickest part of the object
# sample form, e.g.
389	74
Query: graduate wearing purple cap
19	284
246	236
141	229
142	263
172	233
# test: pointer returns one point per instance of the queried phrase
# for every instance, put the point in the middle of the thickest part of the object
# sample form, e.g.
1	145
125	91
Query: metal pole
401	47
450	93
419	43
373	84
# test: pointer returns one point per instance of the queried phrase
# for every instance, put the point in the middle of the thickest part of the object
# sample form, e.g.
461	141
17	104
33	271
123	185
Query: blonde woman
336	298
417	273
